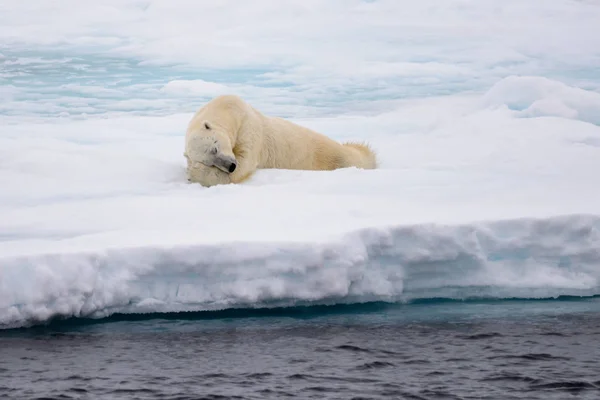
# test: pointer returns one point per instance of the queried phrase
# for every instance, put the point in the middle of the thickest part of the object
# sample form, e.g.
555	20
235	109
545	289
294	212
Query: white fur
227	129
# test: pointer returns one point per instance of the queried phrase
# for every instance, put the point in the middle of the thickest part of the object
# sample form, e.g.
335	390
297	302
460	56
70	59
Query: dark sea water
432	350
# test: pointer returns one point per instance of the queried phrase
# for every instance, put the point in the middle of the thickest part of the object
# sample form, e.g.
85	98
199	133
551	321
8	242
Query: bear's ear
206	125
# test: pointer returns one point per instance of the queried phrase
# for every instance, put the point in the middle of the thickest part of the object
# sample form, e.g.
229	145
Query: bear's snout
225	163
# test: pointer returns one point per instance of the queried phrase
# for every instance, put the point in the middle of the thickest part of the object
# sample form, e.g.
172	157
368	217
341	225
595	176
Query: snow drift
520	258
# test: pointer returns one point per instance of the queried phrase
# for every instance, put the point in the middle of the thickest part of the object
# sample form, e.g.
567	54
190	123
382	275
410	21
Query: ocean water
466	266
433	350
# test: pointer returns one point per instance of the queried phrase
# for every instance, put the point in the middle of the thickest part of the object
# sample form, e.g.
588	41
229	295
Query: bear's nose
232	167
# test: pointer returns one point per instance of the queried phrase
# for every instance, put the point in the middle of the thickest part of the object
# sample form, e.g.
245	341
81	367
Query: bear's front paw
207	176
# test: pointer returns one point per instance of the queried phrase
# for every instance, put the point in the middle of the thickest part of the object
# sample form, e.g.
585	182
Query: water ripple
254	360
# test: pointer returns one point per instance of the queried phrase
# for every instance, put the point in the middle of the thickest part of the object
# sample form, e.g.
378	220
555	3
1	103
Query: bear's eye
213	150
206	125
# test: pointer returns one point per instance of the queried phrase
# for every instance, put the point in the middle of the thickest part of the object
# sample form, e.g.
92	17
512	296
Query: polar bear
227	140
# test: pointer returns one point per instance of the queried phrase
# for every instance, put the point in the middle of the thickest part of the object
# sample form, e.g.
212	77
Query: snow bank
518	258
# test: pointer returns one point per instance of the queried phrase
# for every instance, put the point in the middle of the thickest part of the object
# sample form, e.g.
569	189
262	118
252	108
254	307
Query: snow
538	96
485	117
521	258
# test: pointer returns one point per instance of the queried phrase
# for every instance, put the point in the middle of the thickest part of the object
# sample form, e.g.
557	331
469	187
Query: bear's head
210	146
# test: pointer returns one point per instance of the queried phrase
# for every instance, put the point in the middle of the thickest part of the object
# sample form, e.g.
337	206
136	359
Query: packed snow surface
485	117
